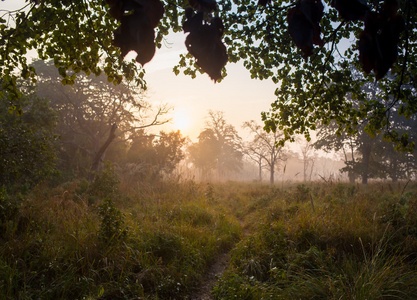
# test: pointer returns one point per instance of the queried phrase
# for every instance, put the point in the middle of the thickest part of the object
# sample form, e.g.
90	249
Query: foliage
60	247
368	157
218	147
350	247
359	242
169	150
317	88
87	112
302	193
27	143
151	156
112	223
73	35
9	209
105	183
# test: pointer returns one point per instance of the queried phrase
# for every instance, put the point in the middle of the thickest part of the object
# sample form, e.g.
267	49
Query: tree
400	165
313	74
27	143
371	147
93	114
264	147
169	150
367	157
204	153
151	156
328	140
218	147
256	153
308	160
359	151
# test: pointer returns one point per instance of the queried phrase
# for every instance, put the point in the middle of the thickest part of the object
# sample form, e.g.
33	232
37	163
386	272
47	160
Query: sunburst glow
181	120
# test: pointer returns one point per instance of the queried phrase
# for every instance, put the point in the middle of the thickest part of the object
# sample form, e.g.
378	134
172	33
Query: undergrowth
108	240
327	242
100	240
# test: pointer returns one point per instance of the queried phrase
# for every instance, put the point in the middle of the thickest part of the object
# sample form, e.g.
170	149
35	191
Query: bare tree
256	153
264	148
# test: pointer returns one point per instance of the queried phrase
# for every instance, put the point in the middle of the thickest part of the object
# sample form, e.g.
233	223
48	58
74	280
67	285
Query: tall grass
98	241
110	240
351	243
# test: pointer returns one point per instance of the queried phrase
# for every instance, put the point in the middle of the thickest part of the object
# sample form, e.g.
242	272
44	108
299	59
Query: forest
314	199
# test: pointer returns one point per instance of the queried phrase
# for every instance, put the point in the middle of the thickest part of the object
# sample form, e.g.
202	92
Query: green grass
108	240
152	243
357	243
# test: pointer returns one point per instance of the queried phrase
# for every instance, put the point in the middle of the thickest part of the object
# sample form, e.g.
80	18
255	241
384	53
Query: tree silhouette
307	47
218	147
264	147
93	113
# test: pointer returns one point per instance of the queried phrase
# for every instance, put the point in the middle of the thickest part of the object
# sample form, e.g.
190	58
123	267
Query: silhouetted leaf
203	5
116	8
264	2
136	31
366	51
378	42
351	10
303	24
204	43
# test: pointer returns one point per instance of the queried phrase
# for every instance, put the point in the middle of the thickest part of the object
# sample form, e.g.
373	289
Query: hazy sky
238	96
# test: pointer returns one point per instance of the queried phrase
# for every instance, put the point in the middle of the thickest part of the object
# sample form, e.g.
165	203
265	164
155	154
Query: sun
181	120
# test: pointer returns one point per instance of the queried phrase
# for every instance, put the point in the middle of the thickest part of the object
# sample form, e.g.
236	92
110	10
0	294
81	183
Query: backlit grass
109	240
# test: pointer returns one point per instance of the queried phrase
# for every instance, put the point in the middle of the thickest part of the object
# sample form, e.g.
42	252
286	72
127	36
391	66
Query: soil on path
204	292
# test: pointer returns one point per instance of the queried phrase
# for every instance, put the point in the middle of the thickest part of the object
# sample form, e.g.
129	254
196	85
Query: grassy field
107	240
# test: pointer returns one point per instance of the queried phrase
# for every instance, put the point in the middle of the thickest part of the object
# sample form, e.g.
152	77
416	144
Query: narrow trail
217	268
204	293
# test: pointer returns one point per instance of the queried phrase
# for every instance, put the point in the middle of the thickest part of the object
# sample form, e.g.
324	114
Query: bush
112	227
9	208
105	184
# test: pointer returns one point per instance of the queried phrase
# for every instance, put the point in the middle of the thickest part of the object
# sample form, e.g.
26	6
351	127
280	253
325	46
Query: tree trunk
100	153
272	174
351	176
305	167
394	170
260	170
311	170
365	163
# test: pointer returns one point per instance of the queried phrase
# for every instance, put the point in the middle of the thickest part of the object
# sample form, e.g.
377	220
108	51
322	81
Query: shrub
105	184
9	208
112	227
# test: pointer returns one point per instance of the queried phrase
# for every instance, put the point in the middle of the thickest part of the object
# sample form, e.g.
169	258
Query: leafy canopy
319	52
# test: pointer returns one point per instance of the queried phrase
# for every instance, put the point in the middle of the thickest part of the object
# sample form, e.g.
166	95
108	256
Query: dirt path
204	293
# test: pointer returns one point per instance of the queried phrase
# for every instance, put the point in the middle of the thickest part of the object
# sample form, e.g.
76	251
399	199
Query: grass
110	240
68	243
355	244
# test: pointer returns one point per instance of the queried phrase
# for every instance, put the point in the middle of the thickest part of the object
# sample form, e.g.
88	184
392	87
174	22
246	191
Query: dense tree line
68	131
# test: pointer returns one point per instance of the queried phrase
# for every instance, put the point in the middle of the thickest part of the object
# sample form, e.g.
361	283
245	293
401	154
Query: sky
238	96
